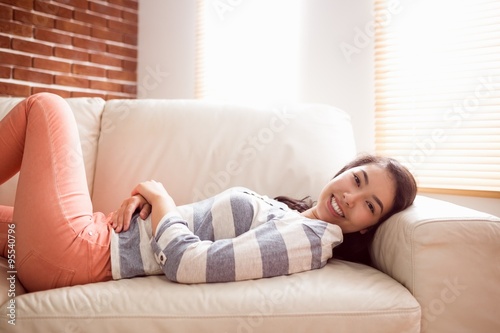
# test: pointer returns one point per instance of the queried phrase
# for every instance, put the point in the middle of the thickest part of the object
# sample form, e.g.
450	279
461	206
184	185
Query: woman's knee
45	97
47	103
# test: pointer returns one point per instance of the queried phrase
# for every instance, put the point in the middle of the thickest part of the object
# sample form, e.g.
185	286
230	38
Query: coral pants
59	241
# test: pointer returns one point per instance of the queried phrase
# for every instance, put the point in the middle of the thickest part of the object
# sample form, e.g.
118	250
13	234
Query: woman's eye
370	206
356	179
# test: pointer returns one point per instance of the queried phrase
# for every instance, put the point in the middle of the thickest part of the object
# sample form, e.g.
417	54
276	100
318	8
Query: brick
62	93
27	4
4	42
104	10
51	36
132	5
81	19
53	65
32	76
128	28
130	39
88	70
53	9
86	17
115	96
14	28
106	86
105	60
15	90
71	81
87	94
122	75
5	72
71	54
130	16
129	65
106	34
89	44
123	51
6	12
15	59
34	19
75	3
74	27
129	89
31	47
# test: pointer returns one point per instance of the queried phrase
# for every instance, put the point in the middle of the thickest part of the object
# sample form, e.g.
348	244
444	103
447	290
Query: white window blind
437	91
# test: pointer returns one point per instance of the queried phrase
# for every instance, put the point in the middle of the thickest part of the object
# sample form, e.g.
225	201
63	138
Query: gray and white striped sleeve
281	246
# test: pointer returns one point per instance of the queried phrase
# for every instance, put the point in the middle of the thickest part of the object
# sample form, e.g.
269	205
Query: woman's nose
350	199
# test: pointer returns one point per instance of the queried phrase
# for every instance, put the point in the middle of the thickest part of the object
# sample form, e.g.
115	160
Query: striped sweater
236	235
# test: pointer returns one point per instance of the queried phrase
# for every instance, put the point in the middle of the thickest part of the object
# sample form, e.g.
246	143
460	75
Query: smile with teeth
336	207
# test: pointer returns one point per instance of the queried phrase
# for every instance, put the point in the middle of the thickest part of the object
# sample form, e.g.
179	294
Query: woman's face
357	198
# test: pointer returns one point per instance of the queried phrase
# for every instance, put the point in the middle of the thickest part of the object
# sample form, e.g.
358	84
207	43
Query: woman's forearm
159	199
278	247
160	208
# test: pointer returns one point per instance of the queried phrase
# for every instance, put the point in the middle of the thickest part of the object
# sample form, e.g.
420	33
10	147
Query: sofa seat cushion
341	297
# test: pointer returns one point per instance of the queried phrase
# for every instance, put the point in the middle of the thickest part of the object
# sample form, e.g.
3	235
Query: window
247	50
437	91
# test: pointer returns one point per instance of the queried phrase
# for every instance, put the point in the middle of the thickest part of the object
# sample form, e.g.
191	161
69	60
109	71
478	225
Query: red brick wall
70	47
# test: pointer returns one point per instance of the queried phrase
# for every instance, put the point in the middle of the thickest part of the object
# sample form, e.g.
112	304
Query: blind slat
437	92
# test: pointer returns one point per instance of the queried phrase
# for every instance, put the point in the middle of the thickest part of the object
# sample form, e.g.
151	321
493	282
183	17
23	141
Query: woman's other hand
156	195
121	218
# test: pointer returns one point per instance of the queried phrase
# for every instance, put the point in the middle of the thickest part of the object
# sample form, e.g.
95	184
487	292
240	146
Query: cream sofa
437	263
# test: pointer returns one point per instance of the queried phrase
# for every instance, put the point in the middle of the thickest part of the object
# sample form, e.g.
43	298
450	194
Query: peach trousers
59	241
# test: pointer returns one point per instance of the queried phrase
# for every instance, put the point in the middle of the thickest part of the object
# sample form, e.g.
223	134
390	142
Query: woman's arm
122	217
149	197
278	247
159	199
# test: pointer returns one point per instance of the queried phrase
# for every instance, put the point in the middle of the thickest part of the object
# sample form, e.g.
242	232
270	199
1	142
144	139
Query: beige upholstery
448	257
199	149
435	259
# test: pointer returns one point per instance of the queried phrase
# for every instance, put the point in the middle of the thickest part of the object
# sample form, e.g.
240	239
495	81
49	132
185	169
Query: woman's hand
121	218
158	197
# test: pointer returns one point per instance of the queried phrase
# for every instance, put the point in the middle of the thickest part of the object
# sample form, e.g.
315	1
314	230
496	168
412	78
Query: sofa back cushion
199	148
87	113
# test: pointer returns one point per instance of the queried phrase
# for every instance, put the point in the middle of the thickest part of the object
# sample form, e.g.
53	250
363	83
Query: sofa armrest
448	258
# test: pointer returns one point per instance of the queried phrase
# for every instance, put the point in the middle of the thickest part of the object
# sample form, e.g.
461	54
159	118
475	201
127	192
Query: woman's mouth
335	206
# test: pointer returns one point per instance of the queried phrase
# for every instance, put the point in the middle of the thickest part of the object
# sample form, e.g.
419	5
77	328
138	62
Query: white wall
327	74
167	56
166	48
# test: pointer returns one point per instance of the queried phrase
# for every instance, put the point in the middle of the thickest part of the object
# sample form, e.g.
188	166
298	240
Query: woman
235	235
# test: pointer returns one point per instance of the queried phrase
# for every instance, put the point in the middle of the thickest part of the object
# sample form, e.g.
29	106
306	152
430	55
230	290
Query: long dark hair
355	246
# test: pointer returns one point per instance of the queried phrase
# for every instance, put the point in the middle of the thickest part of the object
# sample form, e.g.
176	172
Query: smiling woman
352	201
361	196
239	234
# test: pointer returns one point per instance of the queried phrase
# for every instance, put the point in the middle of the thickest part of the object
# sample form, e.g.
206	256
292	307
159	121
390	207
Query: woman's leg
6	214
59	241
